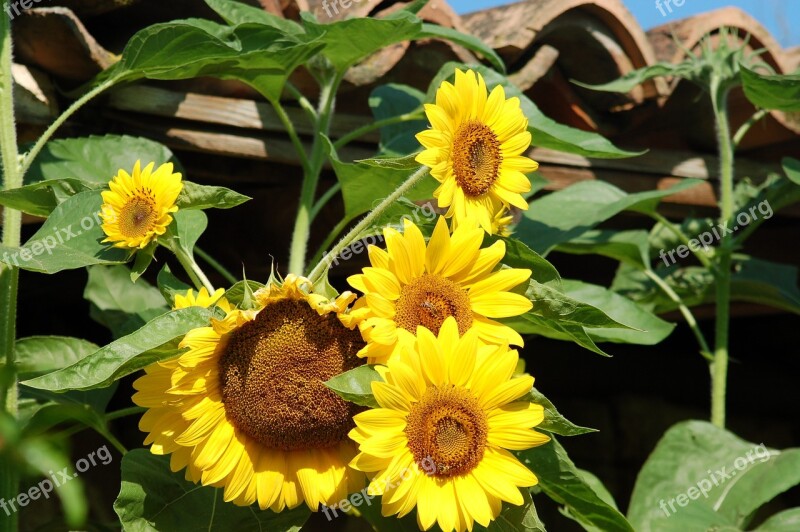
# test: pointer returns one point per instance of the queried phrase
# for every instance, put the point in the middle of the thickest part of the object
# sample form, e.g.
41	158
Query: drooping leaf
355	385
194	196
152	499
553	420
125	355
70	238
561	481
780	92
530	323
553	304
634	78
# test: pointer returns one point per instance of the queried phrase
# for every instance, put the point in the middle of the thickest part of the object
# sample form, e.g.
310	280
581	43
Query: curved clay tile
55	40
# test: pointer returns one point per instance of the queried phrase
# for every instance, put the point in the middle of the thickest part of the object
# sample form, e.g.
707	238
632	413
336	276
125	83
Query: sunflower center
137	216
431	299
476	158
272	375
449	427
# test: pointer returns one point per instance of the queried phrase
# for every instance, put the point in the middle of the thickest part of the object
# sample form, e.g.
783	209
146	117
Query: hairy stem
366	222
9	275
194	272
744	128
719	368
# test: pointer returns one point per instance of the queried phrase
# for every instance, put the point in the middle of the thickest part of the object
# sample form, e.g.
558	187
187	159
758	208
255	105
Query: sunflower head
413	284
450	409
246	407
475	150
137	207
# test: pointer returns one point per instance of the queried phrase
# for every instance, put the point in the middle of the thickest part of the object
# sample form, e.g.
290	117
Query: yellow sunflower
412	284
137	208
246	408
474	149
449	410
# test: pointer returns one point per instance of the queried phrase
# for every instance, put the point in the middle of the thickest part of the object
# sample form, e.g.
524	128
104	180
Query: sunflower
449	410
412	284
474	149
246	408
138	206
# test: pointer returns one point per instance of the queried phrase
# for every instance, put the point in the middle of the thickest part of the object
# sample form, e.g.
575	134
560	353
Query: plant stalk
9	275
719	368
366	222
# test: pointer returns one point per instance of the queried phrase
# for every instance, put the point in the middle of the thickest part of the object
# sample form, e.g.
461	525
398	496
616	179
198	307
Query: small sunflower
449	410
412	284
474	149
246	408
138	206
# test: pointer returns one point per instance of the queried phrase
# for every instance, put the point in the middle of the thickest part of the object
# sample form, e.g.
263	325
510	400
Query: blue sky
780	17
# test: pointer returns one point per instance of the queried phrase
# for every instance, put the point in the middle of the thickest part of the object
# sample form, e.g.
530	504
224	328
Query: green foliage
356	385
781	93
554	422
709	478
149	488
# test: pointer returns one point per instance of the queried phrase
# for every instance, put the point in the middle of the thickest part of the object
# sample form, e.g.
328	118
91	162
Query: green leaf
552	304
785	521
767	283
95	160
185	230
636	77
388	101
566	214
53	414
553	420
792	169
120	304
259	55
530	323
546	132
169	285
356	385
238	13
125	355
469	42
349	41
194	196
781	92
561	481
518	255
70	238
152	498
701	477
40	198
597	486
405	163
652	329
630	247
142	260
236	293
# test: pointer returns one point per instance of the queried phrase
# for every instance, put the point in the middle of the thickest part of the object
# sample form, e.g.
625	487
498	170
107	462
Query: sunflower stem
366	222
9	275
308	190
193	270
719	367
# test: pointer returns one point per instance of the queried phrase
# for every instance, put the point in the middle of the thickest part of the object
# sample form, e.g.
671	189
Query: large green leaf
518	255
70	238
234	13
630	247
547	133
530	323
41	197
120	304
153	499
387	101
566	214
701	477
125	355
356	385
553	304
652	329
261	56
561	481
781	92
349	41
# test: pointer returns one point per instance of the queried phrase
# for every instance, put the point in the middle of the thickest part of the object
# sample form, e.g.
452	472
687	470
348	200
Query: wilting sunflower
449	410
138	206
411	284
246	408
474	149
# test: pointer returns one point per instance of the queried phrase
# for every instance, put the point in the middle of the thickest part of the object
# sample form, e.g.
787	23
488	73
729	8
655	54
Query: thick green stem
719	368
9	275
193	270
366	222
687	313
305	208
77	104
